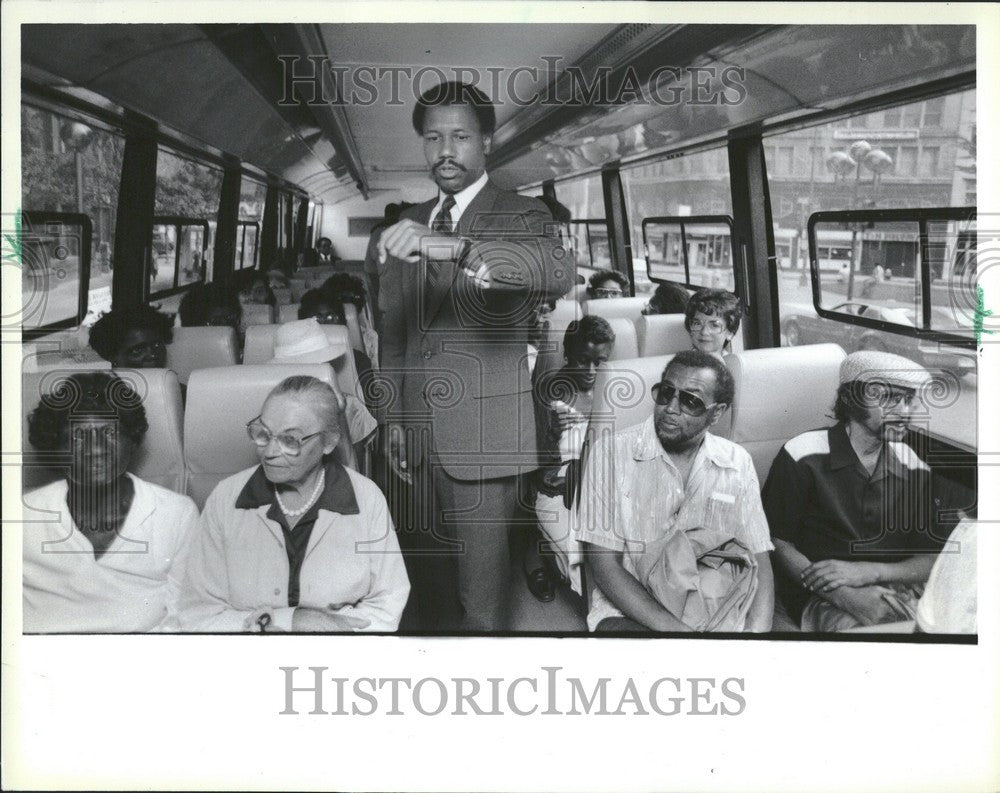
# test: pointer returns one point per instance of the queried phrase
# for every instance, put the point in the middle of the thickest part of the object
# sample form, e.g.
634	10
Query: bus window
68	165
187	205
252	197
888	159
694	183
588	232
693	251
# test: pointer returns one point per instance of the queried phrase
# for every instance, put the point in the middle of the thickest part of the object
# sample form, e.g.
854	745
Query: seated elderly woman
712	318
854	544
298	543
607	284
103	550
133	338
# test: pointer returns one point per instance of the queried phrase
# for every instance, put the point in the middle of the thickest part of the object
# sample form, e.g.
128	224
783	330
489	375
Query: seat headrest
201	348
220	402
630	307
780	393
662	334
626	345
622	395
287	313
257	314
158	459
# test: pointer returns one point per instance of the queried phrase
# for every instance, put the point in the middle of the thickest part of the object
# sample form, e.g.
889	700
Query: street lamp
76	137
859	153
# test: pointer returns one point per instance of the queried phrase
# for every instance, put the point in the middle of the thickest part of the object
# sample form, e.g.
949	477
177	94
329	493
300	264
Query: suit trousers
475	518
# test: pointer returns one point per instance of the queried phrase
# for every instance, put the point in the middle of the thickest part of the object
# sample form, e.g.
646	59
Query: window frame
920	216
241	226
177	221
39	219
688	220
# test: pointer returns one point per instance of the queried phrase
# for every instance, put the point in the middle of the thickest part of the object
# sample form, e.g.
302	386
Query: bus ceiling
601	94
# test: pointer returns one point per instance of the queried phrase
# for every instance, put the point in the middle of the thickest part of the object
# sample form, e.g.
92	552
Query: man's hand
865	604
310	620
395	452
825	576
407	240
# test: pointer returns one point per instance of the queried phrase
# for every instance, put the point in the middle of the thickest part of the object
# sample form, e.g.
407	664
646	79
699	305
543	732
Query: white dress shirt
462	200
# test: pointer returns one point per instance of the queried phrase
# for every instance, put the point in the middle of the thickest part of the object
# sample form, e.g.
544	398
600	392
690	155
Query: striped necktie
443	223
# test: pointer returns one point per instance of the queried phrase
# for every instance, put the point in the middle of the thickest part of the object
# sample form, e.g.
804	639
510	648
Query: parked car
805	328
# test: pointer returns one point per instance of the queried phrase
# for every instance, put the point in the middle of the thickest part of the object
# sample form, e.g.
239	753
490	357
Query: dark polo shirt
337	496
819	497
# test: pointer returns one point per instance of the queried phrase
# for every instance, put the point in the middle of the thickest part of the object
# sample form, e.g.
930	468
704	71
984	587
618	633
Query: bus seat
257	314
66	349
259	349
282	296
626	345
630	307
565	312
577	292
622	393
201	348
662	334
158	459
220	402
288	313
299	287
353	326
780	393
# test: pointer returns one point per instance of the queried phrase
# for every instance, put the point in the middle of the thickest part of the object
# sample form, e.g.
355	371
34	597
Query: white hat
304	341
867	366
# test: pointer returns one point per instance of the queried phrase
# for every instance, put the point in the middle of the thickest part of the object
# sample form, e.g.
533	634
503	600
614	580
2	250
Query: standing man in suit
465	274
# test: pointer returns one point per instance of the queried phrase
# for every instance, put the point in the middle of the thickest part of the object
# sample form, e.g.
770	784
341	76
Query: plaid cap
866	366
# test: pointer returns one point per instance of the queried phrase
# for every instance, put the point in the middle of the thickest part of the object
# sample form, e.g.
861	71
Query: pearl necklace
294	513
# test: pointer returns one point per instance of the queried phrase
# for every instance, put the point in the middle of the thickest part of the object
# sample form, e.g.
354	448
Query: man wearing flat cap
852	508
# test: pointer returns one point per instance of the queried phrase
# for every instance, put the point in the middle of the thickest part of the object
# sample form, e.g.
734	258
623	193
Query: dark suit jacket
312	259
454	354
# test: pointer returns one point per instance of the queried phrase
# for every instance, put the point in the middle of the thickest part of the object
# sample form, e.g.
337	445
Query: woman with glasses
855	513
298	543
712	318
133	338
103	550
606	284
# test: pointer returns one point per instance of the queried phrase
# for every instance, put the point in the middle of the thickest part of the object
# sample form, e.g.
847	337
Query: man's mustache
451	163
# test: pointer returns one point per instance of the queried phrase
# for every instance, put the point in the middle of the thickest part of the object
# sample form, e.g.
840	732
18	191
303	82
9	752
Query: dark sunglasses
691	404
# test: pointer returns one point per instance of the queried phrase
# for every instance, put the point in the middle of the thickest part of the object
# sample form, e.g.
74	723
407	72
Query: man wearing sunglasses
666	476
853	509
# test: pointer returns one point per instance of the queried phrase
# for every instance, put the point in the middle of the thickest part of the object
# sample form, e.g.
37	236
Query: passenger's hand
260	620
395	452
829	574
311	620
865	604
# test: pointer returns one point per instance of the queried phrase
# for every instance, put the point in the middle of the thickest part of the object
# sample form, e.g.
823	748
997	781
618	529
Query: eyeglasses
288	443
330	318
605	292
691	404
714	325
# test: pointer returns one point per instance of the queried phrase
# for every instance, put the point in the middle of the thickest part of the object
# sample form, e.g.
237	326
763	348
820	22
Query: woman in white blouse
103	550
